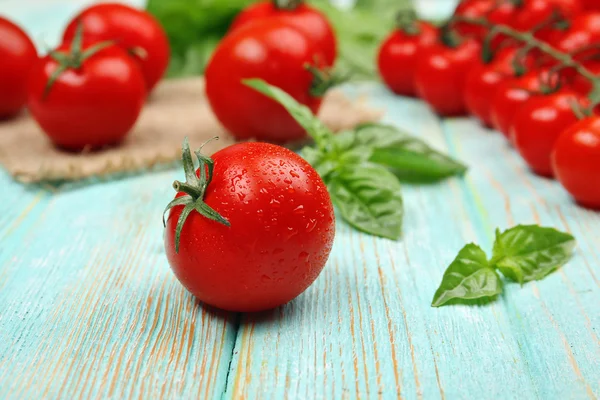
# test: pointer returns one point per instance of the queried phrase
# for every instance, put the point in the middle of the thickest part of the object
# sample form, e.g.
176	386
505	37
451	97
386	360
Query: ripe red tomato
305	18
578	83
511	95
136	31
583	32
18	55
533	13
441	73
576	161
280	235
88	106
538	124
496	12
272	50
398	55
484	79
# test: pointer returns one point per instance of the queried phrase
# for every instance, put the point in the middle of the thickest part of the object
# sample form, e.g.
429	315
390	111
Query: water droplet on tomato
311	225
303	256
287	181
265	278
275	203
294	173
299	209
263	191
242	196
278	250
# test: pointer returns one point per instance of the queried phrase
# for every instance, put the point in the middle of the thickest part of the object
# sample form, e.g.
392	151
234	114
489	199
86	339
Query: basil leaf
409	157
302	114
469	277
369	198
530	252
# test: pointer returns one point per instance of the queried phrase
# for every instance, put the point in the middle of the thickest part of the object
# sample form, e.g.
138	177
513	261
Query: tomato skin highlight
91	107
281	233
398	55
271	50
17	55
305	18
130	28
576	161
538	124
441	74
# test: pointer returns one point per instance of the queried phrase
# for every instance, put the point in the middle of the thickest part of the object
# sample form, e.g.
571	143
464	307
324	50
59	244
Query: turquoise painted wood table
90	309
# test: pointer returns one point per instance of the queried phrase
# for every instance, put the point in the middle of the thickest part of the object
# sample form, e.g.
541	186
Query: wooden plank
88	305
365	328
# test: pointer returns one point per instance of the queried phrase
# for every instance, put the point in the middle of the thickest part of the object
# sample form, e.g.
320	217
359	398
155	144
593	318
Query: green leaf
408	157
530	252
369	198
302	114
469	277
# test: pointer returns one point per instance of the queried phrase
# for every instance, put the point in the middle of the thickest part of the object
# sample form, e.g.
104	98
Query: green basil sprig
362	168
523	253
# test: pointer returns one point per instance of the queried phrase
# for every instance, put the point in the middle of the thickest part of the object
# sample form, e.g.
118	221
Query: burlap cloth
176	109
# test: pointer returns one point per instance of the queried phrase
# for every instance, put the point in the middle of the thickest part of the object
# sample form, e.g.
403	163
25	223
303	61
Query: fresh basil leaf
409	157
530	252
369	198
302	114
469	277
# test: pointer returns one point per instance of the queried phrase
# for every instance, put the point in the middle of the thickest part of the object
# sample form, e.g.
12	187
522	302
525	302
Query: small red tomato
277	235
272	50
496	12
580	84
538	124
305	18
484	79
583	32
533	13
441	73
398	55
576	161
18	55
93	102
136	31
512	94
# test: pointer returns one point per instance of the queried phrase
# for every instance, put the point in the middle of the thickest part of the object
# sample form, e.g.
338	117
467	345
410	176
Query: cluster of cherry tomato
279	42
88	92
539	101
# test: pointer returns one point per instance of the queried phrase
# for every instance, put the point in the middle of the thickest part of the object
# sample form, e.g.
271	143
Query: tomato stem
406	21
324	79
288	5
194	188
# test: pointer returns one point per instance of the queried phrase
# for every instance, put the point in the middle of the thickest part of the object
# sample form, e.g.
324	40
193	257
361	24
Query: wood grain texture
90	309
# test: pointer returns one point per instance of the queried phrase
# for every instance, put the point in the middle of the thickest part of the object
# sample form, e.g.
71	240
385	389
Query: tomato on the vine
494	11
513	93
86	97
18	55
579	83
576	161
583	32
136	31
538	124
484	79
254	231
312	22
272	50
398	55
533	14
441	73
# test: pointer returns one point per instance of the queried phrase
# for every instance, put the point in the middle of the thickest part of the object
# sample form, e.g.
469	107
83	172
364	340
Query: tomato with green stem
538	124
576	161
277	52
513	93
18	55
86	95
484	79
581	39
399	51
251	229
312	22
533	14
496	12
136	31
441	72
